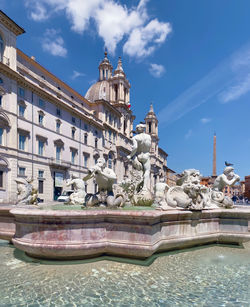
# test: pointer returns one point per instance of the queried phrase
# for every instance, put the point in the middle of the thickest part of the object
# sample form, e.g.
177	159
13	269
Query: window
58	126
85	139
110	135
1	136
21	171
86	127
1	179
106	116
40	173
96	142
95	158
85	161
40	119
21	92
22	139
40	147
124	126
40	186
58	112
114	137
1	97
110	160
149	127
41	103
21	110
116	91
73	120
1	48
73	156
96	132
73	133
58	153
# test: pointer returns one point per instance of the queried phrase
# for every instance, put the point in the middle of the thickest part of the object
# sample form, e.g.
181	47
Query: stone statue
78	196
131	186
189	193
160	190
140	156
26	194
105	178
227	178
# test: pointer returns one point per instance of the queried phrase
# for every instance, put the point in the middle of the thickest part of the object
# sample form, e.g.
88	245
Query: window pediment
41	137
21	102
23	132
73	149
59	143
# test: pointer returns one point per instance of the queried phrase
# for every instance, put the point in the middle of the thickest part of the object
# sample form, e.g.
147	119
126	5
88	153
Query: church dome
98	91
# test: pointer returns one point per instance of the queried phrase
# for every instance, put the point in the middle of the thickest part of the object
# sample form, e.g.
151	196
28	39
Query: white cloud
222	83
156	70
188	134
77	74
205	120
53	43
39	13
143	41
236	91
114	22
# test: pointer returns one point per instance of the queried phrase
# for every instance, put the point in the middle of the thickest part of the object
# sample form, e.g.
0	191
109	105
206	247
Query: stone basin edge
64	234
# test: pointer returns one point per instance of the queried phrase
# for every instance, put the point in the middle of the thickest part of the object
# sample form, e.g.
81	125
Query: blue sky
191	59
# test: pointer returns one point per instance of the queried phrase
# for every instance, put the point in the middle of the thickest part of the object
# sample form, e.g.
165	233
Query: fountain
184	215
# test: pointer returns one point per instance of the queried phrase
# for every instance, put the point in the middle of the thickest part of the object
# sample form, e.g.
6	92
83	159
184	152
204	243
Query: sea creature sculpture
26	193
105	178
78	196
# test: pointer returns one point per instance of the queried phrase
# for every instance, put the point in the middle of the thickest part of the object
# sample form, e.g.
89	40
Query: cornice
10	24
42	93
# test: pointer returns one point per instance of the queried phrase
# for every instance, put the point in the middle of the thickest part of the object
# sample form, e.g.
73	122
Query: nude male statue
140	152
227	178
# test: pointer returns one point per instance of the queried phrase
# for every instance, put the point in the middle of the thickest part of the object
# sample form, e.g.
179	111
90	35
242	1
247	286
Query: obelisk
214	157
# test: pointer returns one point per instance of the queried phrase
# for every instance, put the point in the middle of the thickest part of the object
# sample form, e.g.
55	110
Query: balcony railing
59	163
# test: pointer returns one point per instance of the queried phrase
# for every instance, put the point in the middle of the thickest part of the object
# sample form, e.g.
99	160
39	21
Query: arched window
116	91
1	48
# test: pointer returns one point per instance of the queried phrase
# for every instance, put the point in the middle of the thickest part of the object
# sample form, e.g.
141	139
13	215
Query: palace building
48	131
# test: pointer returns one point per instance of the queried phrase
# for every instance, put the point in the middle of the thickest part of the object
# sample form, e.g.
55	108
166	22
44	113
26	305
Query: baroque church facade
48	131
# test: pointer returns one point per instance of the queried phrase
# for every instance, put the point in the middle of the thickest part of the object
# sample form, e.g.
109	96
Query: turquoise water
208	276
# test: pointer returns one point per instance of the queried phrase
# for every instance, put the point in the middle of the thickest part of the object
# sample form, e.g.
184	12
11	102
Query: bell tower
120	87
151	122
105	68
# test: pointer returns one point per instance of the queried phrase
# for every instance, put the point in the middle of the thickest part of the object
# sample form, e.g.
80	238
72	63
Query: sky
190	59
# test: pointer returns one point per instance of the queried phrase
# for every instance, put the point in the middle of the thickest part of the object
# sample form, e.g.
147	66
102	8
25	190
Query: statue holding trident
140	156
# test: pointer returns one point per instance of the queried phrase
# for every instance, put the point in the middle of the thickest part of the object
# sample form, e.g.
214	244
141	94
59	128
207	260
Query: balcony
57	163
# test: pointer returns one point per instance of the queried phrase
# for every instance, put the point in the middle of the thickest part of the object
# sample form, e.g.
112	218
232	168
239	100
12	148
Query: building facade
49	131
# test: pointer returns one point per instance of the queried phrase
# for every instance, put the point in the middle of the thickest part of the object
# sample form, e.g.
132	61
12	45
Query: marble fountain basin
83	234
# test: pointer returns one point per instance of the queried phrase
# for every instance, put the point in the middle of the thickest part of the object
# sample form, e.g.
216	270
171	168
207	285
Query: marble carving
190	194
140	157
78	196
26	193
105	179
